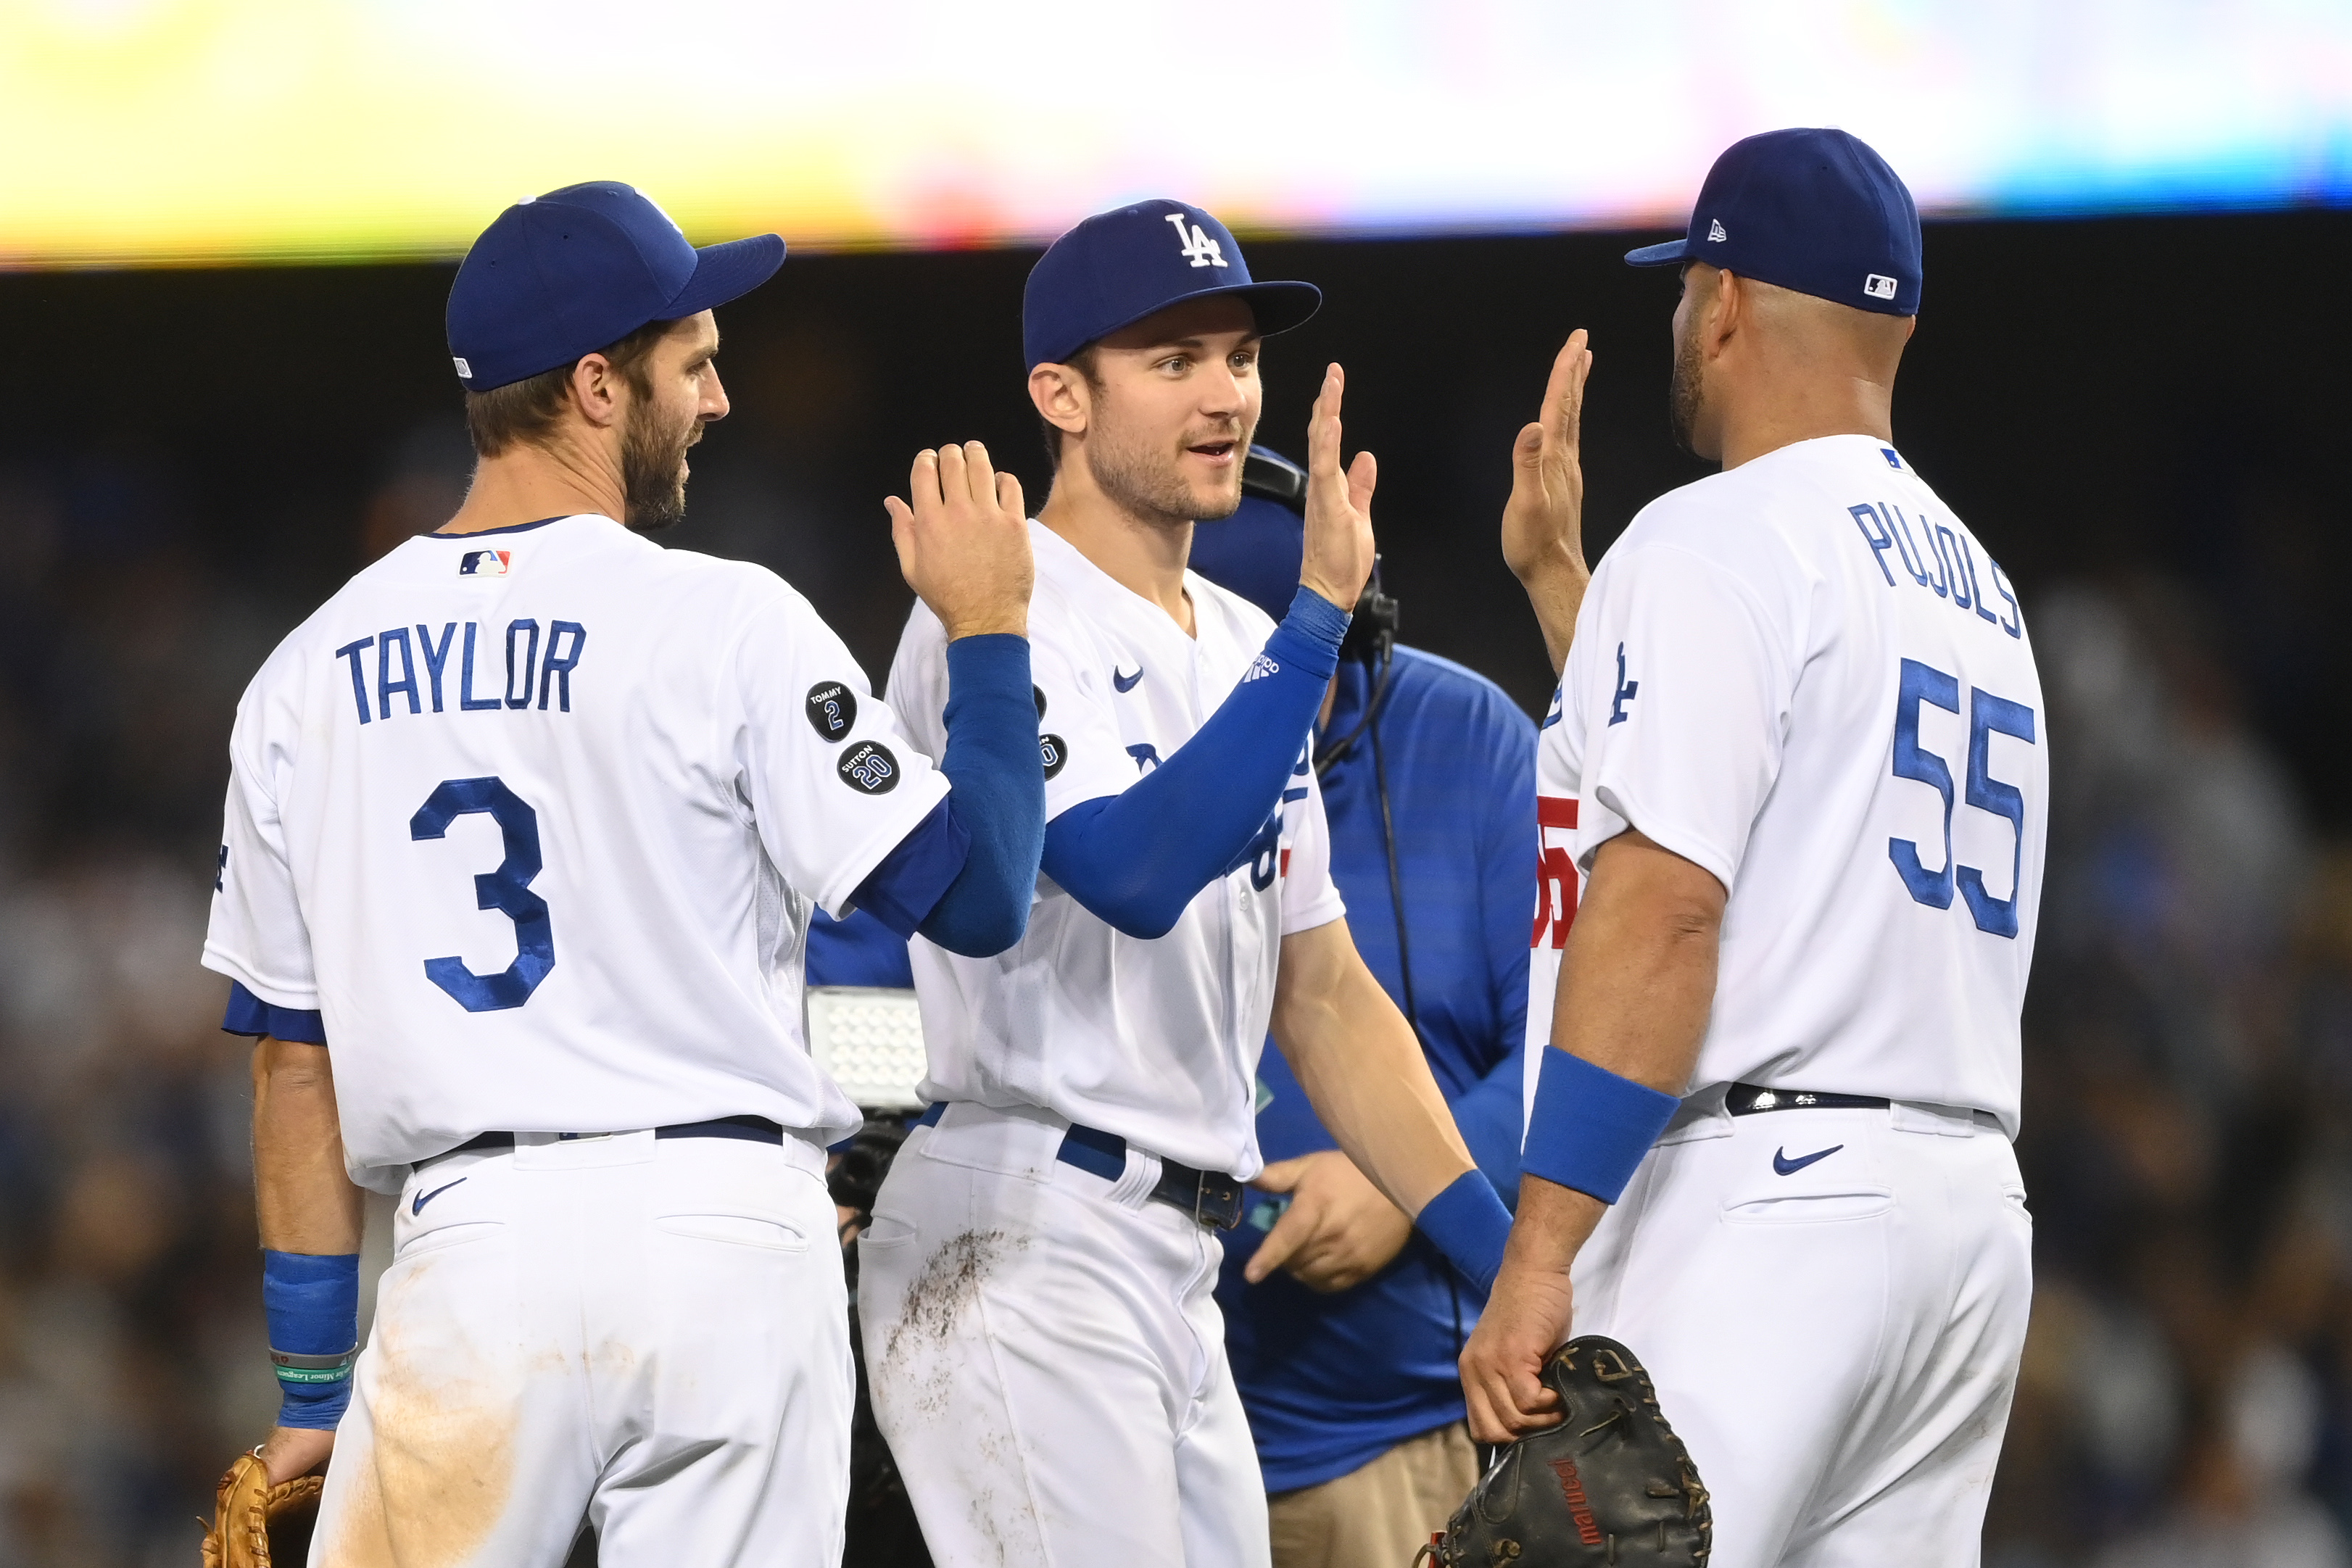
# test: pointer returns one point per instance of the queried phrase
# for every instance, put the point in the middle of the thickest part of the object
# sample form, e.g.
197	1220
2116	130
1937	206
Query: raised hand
963	541
1543	522
1338	557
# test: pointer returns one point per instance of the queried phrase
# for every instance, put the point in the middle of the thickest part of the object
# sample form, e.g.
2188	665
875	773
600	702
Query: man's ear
1062	398
596	390
1735	307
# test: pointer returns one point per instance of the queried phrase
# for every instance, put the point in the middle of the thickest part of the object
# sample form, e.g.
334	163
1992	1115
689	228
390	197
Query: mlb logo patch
1878	286
484	563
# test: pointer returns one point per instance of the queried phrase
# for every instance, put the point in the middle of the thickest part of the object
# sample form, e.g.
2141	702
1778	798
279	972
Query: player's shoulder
1768	519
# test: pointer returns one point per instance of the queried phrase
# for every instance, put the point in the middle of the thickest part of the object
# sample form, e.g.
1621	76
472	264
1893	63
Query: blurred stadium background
227	227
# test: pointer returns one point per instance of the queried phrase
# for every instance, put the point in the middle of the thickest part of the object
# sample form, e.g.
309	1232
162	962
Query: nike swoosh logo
1783	1166
1126	683
425	1198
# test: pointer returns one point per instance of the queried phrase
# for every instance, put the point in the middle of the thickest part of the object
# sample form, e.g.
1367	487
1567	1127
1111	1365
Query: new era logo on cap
484	563
1813	210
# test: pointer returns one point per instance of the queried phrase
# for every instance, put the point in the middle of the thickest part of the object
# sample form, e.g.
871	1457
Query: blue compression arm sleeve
1470	1226
1137	858
964	877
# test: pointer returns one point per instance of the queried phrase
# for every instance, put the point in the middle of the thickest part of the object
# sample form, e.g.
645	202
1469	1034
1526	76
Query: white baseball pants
651	1335
1837	1345
1047	1362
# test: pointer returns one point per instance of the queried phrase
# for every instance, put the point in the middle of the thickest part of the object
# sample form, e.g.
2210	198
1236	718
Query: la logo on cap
1195	244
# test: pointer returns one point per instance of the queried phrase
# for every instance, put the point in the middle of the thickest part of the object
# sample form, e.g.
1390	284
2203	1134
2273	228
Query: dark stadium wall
2136	399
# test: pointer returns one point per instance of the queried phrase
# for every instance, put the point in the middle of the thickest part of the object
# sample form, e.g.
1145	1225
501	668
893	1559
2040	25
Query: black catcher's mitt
1609	1485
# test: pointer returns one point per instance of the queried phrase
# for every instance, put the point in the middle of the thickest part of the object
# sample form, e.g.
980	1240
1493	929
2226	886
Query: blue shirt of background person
1332	1381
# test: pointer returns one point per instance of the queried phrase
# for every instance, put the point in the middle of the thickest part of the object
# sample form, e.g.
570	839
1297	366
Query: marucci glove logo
1579	1507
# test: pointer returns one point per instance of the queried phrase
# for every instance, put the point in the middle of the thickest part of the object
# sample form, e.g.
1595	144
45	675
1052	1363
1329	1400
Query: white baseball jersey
1806	676
1155	1040
534	818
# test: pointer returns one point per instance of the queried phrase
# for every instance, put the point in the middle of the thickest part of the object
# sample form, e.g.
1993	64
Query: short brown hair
523	413
1088	362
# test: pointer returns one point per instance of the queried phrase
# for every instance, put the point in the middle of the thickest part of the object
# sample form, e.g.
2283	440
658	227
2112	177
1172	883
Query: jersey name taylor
534	820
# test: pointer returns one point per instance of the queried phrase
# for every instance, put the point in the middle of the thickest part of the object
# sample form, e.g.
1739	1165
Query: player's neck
525	483
1145	556
1806	409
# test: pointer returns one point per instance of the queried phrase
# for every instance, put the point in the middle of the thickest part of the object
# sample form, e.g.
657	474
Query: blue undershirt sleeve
1137	858
248	1014
907	885
965	876
1491	1115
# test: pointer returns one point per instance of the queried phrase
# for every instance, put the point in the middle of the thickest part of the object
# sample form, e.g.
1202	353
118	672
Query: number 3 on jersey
1988	715
505	890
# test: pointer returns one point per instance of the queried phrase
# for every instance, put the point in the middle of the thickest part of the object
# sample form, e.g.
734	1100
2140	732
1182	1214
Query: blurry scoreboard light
202	131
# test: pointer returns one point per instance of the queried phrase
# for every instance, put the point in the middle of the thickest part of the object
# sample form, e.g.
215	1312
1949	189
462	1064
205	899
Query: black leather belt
1211	1197
755	1129
1748	1099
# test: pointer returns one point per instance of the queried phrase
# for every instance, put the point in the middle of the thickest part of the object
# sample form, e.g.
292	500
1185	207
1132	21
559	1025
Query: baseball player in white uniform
524	829
1045	1349
1797	765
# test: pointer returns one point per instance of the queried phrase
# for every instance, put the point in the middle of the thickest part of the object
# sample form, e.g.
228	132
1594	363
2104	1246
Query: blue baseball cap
1256	553
1117	267
563	274
1815	210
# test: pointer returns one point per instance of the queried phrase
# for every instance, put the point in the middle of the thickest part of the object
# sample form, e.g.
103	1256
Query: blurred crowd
2186	1394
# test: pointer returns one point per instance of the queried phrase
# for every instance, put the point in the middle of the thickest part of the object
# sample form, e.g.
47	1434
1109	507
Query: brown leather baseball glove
1611	1484
247	1510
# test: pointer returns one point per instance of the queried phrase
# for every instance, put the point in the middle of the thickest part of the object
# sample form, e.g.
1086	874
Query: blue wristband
312	1302
1590	1128
1469	1224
